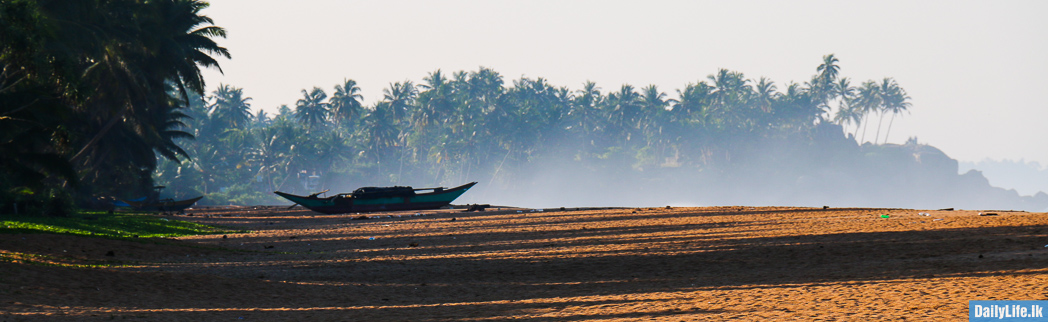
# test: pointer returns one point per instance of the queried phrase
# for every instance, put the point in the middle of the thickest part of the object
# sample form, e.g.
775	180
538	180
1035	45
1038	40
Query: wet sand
642	264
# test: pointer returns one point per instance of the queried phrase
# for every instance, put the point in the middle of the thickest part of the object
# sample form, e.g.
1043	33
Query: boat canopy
380	192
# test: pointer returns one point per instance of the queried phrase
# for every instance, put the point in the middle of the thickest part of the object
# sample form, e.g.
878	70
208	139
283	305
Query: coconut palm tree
346	106
653	99
174	41
767	93
654	112
828	70
895	101
867	101
382	133
821	86
729	97
846	113
435	103
261	119
621	112
400	95
798	108
230	108
849	115
121	99
311	109
691	101
892	98
586	108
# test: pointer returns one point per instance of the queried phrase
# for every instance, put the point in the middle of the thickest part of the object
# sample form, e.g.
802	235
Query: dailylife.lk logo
1007	311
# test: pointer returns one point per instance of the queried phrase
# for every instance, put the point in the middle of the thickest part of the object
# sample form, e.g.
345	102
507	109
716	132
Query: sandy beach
627	264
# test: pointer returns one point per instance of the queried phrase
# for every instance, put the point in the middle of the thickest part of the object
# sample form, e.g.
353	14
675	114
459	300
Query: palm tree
485	85
843	89
654	107
798	107
435	103
828	70
346	103
867	100
173	47
231	109
400	96
268	156
822	86
261	119
284	112
846	113
892	98
895	101
127	57
586	105
766	92
654	99
381	132
729	96
622	110
311	109
692	100
170	129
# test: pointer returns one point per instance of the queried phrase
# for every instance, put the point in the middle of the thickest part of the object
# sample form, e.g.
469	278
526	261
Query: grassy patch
119	225
45	260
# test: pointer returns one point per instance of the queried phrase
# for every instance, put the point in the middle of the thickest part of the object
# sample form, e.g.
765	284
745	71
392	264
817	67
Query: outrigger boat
154	203
164	204
371	199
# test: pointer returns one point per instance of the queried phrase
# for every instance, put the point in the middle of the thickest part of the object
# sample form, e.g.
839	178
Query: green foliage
471	126
120	225
92	92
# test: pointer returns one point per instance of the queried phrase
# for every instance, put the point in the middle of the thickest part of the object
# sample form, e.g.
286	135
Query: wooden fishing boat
163	204
371	199
152	202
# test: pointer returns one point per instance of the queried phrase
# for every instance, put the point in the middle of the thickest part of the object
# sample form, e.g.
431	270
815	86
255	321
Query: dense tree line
104	98
474	126
92	93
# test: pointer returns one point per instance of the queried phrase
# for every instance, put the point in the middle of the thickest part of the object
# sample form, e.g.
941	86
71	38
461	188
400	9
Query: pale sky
977	71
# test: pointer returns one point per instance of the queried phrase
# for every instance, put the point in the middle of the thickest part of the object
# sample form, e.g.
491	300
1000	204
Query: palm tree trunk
878	129
863	132
889	128
400	170
109	125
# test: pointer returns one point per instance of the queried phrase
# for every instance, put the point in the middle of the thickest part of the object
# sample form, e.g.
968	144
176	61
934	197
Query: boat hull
349	204
178	205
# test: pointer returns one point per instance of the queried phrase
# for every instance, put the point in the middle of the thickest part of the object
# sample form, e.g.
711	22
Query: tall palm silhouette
867	101
892	98
822	85
895	101
311	109
846	113
585	109
400	95
230	108
175	41
345	103
621	111
436	102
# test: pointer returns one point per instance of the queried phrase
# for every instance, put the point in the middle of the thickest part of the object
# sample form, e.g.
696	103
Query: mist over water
821	168
834	171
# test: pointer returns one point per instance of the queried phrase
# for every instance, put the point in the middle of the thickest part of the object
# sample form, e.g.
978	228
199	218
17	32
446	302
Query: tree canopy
92	92
476	126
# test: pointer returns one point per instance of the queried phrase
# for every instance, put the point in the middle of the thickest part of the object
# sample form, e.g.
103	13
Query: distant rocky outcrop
822	168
